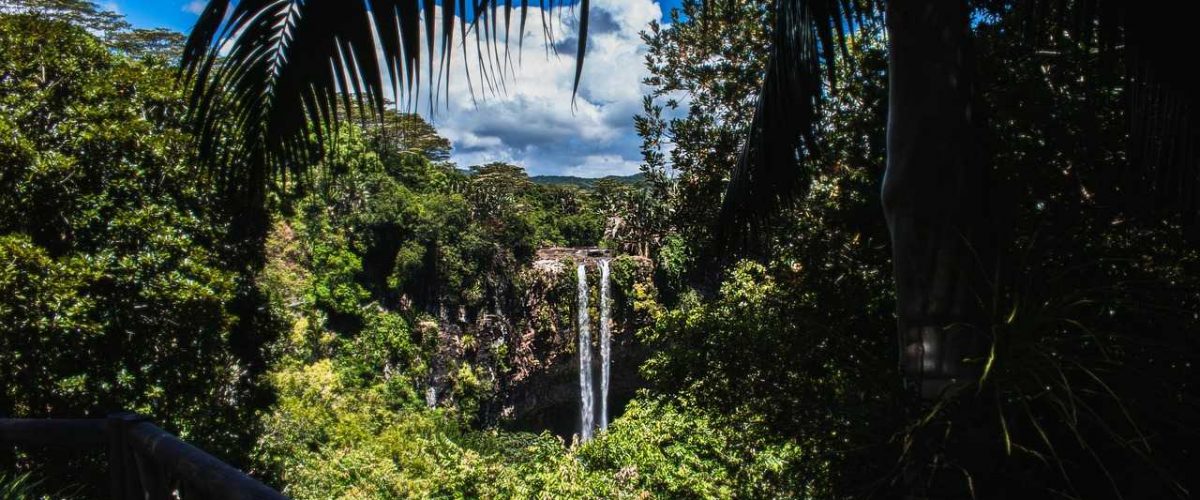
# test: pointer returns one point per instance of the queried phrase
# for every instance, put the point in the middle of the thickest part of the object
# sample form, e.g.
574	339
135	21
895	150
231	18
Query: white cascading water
586	398
605	341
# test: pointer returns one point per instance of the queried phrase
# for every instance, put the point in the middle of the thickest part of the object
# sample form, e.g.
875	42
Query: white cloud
531	121
530	118
195	6
602	165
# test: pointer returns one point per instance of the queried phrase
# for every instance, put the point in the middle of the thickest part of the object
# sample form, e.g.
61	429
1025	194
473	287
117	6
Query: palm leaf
1163	96
267	76
782	134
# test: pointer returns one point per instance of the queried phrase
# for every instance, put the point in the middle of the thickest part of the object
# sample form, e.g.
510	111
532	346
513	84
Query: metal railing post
123	470
145	462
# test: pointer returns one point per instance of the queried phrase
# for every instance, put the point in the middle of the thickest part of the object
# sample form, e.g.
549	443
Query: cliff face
524	352
575	254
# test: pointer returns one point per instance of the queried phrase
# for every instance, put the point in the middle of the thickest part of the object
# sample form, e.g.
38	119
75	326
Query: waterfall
605	341
586	398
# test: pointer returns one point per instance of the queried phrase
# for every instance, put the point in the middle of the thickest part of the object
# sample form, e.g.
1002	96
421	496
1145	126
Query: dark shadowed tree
290	63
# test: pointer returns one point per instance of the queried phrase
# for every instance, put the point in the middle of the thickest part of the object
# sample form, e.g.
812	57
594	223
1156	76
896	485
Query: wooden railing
145	462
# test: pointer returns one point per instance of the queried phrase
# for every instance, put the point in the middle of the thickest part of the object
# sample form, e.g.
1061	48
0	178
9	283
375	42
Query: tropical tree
274	72
118	292
109	26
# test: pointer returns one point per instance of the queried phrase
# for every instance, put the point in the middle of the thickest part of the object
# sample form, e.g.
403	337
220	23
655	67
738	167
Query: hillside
585	182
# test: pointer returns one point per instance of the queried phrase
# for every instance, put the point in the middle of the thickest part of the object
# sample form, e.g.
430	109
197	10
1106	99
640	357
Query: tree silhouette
270	73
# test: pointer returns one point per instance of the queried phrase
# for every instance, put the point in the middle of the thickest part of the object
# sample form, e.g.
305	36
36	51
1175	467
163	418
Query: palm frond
805	41
18	486
265	77
1163	95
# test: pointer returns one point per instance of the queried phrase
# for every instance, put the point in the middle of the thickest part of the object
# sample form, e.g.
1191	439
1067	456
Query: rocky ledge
575	253
550	260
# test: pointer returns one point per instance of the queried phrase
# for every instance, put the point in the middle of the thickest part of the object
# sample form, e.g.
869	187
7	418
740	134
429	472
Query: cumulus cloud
195	6
530	119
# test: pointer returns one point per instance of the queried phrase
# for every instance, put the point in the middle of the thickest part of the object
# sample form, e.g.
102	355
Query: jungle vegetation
271	288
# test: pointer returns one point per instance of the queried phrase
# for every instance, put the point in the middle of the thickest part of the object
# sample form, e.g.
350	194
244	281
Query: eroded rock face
544	393
575	254
524	351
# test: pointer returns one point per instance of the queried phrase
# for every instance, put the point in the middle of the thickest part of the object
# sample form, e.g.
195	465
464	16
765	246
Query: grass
17	486
1083	394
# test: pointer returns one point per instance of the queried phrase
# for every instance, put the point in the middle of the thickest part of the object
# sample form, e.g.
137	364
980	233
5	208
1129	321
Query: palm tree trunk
935	193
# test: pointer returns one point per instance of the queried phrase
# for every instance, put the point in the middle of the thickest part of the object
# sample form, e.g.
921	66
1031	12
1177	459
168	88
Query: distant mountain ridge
585	182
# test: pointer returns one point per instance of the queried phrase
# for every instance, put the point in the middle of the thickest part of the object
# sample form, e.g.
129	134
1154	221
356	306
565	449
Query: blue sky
172	14
533	123
180	14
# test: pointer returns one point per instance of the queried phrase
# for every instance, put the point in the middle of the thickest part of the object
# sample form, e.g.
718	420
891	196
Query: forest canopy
382	322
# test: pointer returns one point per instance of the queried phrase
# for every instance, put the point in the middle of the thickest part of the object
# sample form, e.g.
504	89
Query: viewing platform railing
145	462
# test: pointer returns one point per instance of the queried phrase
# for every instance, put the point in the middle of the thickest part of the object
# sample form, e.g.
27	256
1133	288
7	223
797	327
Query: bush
114	288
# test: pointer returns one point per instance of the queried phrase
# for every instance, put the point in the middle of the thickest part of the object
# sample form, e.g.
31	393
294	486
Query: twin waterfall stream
587	395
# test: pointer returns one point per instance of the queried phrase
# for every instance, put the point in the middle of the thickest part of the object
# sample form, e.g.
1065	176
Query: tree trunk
935	194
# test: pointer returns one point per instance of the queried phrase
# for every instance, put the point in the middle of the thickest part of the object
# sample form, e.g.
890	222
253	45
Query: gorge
574	361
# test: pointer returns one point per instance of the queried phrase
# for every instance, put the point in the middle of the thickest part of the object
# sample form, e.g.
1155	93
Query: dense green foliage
350	266
361	343
115	285
584	181
1089	350
789	347
110	27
